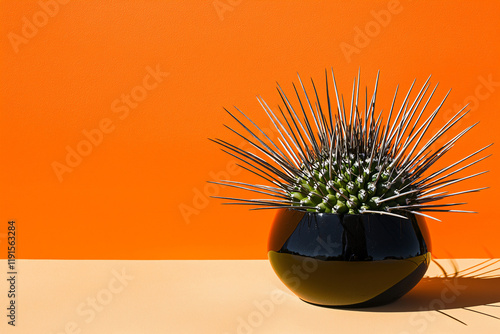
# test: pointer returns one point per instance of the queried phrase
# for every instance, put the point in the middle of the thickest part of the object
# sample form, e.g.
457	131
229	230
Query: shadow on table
474	286
439	293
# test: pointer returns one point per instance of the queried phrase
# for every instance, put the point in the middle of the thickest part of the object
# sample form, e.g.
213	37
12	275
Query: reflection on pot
348	260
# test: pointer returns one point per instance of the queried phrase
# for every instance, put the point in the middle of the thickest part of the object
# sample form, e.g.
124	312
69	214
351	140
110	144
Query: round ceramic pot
348	260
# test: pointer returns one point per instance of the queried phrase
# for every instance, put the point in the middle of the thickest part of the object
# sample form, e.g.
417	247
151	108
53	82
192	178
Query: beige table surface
225	296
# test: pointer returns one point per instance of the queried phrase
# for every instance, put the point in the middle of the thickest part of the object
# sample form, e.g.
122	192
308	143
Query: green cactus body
356	185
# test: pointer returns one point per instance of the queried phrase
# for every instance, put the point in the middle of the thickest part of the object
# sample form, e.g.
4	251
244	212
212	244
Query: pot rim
409	214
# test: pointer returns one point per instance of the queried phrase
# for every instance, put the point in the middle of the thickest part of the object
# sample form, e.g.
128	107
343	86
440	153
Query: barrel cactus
332	159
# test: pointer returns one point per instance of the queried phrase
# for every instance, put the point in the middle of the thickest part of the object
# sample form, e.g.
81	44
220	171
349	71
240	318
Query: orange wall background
68	67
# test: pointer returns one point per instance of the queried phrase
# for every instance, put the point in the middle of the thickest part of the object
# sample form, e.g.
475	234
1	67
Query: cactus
350	161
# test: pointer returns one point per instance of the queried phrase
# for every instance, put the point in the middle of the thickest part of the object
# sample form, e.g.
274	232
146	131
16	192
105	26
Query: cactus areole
352	185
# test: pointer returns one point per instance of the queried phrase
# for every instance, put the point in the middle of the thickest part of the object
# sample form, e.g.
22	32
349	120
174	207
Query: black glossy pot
348	260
